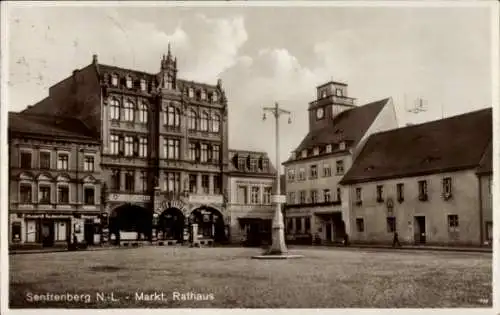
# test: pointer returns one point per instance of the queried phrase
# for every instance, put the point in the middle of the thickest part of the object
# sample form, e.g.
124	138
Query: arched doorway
210	223
130	220
171	225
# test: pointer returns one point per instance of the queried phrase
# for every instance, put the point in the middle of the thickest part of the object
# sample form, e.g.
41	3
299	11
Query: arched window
204	121
129	111
215	123
143	113
192	120
173	117
114	108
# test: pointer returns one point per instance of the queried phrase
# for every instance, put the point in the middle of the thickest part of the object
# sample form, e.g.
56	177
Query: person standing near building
395	240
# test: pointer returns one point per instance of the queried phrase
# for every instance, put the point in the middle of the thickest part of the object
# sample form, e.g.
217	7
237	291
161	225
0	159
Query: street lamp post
278	246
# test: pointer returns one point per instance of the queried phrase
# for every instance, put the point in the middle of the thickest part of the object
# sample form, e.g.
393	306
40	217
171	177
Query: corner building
164	148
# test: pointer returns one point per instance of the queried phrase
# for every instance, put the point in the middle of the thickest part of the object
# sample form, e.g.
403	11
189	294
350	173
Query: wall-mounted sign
206	199
129	198
278	199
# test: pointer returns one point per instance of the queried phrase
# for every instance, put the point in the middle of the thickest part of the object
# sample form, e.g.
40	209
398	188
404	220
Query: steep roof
49	125
449	144
349	125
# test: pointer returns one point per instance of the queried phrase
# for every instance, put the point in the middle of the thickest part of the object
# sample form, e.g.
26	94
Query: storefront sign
206	199
166	204
46	215
128	198
278	199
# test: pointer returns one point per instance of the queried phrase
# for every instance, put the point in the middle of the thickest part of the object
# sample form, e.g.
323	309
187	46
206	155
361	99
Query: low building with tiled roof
422	182
54	181
251	183
337	131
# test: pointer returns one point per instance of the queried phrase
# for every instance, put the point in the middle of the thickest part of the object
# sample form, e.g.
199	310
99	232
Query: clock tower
331	100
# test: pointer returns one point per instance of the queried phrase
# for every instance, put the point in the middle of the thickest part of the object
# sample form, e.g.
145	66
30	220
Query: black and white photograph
249	155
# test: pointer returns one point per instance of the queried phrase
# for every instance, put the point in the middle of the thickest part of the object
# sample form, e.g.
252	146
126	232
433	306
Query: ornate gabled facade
54	181
164	147
251	184
317	207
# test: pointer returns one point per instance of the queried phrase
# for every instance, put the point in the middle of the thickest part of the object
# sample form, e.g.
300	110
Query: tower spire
169	53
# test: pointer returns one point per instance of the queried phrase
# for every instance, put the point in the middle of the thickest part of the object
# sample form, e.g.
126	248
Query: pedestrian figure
346	239
395	241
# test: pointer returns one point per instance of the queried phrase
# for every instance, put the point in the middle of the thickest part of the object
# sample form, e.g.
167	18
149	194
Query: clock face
320	113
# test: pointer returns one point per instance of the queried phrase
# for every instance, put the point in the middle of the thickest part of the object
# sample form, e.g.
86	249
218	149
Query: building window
192	183
115	180
422	190
204	152
62	161
328	148
452	223
44	196
215	123
338	92
327	195
360	225
115	144
302	174
313	171
205	183
339	195
304	153
173	117
267	195
129	181
401	192
302	196
143	85
172	148
255	192
88	163
44	160
144	181
241	164
307	223
191	120
129	111
242	195
215	153
173	183
143	147
214	97
192	151
340	167
203	95
291	197
114	109
447	188
114	80
25	193
204	122
143	113
191	92
25	160
314	196
88	196
253	165
380	192
129	146
289	225
217	184
291	175
359	200
129	83
391	224
327	170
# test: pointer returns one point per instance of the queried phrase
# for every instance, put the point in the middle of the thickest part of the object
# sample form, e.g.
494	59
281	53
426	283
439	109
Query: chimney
94	59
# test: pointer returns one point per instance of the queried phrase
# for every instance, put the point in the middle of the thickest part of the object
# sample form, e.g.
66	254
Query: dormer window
129	82
338	92
203	95
316	151
323	94
294	155
191	92
114	80
304	153
328	148
214	97
342	146
143	85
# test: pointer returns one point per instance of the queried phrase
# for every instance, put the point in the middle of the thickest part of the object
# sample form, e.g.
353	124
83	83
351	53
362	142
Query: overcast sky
265	54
